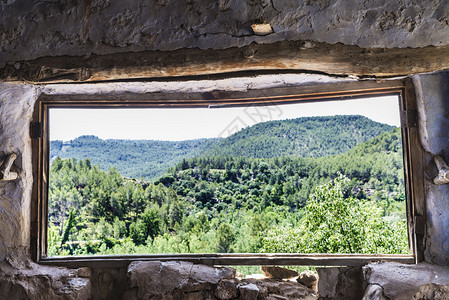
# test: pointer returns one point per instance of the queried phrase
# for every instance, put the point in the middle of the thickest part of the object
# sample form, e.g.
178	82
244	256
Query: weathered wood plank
231	259
415	176
277	57
282	94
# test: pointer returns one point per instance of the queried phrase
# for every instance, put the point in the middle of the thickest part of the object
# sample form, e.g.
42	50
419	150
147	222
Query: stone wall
104	40
45	41
16	108
16	103
33	29
432	92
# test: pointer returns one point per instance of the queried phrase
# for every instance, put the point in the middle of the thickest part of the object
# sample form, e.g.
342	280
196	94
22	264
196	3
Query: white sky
184	124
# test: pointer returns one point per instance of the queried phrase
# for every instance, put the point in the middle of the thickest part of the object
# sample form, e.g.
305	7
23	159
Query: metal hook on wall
443	171
5	168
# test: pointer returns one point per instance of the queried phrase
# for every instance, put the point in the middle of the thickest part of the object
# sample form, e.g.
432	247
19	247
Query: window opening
320	177
287	180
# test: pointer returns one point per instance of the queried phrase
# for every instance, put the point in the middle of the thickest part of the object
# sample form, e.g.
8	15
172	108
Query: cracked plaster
432	92
33	29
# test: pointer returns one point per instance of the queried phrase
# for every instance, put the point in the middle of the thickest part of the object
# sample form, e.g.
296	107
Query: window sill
122	261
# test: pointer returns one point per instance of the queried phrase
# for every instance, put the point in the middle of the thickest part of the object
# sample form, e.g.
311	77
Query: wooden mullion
415	177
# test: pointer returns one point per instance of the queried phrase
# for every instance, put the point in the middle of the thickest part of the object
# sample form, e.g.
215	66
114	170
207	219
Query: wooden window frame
413	174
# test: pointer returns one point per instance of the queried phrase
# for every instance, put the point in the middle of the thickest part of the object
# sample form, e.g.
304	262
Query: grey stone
284	288
432	291
309	279
108	283
74	288
327	283
278	272
400	281
340	283
227	289
293	290
130	294
32	29
42	282
84	272
374	292
169	277
197	295
248	291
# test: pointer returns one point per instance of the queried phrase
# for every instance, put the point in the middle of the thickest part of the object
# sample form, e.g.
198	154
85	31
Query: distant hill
305	137
133	158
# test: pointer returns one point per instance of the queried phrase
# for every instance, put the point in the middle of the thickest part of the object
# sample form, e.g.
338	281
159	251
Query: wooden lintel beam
335	59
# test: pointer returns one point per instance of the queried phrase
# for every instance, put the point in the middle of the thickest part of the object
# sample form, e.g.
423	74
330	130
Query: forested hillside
305	137
216	203
134	158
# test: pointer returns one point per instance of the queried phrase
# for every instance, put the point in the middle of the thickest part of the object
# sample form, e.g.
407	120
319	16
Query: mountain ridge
306	137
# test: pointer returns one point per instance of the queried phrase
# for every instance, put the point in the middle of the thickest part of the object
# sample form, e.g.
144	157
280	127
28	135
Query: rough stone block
248	291
374	292
42	282
278	272
344	283
227	289
155	278
309	279
432	291
402	282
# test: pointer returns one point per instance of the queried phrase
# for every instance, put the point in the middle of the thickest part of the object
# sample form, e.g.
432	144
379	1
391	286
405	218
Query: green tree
68	226
224	236
148	225
335	222
54	240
